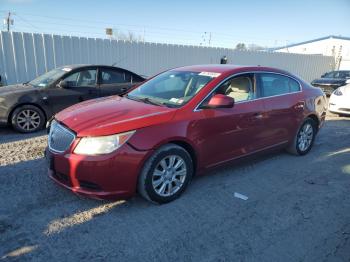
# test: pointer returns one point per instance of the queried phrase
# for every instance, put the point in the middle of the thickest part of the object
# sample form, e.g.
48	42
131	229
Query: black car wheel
27	119
304	139
166	174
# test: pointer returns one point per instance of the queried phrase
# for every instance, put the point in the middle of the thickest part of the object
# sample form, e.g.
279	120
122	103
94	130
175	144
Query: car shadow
7	134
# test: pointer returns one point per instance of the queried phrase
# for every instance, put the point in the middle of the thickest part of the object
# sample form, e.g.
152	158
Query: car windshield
172	88
49	77
337	74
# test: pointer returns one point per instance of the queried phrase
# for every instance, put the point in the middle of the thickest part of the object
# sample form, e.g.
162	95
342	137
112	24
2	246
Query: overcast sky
267	23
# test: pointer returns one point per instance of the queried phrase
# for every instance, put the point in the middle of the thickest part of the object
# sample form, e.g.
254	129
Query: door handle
255	117
299	105
123	89
258	116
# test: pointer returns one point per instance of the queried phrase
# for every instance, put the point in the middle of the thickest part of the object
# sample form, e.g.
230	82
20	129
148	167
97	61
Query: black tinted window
109	76
337	74
82	78
136	78
274	84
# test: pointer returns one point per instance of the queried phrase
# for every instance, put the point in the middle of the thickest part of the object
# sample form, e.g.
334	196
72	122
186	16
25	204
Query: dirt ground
298	210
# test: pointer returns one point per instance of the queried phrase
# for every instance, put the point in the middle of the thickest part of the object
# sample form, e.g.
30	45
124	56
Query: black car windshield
337	74
49	77
172	88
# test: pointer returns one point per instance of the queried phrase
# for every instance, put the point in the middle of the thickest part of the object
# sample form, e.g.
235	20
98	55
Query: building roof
311	41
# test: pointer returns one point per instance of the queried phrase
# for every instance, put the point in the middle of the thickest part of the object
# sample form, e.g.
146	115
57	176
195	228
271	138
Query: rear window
275	84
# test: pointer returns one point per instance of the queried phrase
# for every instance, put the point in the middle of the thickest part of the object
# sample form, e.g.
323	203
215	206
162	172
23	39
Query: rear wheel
27	119
166	174
304	138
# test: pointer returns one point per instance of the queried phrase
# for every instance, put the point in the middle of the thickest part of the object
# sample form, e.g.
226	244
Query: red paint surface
214	135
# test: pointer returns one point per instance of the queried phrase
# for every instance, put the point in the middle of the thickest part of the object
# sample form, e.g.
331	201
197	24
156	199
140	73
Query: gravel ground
298	210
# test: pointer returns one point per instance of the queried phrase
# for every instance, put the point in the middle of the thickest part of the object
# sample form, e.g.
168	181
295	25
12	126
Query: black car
28	106
332	80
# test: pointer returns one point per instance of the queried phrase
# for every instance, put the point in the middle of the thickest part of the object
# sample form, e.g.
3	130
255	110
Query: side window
82	78
136	78
109	76
275	84
241	88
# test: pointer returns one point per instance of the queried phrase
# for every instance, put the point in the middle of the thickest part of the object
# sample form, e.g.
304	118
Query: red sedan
179	124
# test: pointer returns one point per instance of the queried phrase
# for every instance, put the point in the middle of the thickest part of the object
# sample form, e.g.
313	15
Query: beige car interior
240	88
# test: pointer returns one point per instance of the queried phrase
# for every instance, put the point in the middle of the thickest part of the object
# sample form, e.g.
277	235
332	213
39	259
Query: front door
228	133
81	86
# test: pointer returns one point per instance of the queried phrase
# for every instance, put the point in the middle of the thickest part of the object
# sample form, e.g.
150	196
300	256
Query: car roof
226	68
74	66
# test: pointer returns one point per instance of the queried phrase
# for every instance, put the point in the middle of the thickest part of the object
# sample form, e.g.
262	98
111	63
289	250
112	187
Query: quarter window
275	84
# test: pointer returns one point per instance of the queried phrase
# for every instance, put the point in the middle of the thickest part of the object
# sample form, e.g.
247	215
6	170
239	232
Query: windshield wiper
147	100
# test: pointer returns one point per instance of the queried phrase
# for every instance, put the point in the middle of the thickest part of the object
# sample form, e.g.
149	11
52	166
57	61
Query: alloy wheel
305	137
169	175
28	119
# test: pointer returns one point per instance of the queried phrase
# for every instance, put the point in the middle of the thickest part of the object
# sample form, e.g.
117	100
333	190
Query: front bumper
339	105
112	176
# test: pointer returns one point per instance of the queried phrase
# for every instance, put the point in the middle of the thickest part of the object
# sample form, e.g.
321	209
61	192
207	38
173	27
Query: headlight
337	92
102	144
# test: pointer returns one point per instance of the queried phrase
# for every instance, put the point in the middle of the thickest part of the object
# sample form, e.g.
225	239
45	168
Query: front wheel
27	119
304	138
166	174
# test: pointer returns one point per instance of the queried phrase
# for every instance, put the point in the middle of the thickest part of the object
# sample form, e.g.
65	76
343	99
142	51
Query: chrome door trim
197	109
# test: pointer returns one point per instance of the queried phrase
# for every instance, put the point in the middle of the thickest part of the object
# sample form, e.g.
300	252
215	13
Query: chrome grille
60	138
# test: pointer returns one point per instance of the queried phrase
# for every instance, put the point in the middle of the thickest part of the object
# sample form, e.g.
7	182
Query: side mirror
220	101
63	84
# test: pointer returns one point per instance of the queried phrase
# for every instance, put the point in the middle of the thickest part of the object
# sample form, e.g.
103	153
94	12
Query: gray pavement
298	210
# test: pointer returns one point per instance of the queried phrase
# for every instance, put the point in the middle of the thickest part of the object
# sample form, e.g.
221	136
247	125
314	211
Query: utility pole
8	21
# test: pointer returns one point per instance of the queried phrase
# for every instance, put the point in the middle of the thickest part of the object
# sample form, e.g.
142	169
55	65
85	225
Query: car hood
112	115
345	90
328	81
12	89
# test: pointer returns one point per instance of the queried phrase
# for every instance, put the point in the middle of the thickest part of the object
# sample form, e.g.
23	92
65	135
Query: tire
304	138
27	119
154	177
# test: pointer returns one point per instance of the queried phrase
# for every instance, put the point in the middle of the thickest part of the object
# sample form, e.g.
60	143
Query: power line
112	24
27	22
154	33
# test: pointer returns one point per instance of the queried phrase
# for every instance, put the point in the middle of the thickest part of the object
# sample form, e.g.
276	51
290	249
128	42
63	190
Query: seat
240	89
85	78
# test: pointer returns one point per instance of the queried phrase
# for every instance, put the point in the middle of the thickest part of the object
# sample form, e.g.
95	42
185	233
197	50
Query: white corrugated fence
23	56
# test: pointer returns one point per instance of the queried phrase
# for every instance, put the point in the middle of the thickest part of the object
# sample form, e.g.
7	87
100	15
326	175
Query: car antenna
117	62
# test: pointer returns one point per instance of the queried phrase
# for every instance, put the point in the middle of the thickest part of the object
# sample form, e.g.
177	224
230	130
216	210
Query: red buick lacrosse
178	124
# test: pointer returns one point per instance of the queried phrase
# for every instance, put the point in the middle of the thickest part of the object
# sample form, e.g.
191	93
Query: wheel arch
188	147
315	118
9	118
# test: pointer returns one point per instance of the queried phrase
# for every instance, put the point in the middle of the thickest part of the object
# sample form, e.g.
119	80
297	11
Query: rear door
283	103
81	86
114	81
